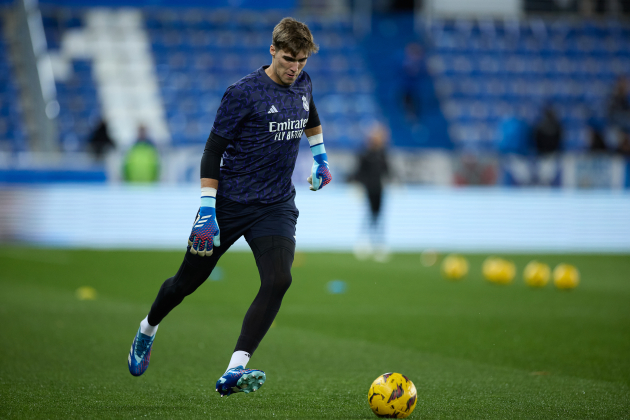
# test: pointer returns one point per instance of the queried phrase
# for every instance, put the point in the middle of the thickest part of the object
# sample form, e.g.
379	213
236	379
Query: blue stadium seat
53	37
73	21
522	67
198	57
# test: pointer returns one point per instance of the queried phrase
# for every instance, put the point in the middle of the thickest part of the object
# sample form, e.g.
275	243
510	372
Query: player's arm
205	233
320	172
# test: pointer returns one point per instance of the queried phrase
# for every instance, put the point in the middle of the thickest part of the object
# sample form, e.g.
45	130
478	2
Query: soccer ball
536	274
498	270
566	276
454	267
392	396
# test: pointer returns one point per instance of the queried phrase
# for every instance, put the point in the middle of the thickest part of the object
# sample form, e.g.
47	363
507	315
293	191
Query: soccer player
256	131
371	173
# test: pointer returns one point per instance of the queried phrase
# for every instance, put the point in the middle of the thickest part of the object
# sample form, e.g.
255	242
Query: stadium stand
384	50
487	70
199	53
12	137
79	106
111	63
481	72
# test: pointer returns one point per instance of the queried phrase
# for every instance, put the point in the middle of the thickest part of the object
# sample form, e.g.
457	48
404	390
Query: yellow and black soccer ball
392	396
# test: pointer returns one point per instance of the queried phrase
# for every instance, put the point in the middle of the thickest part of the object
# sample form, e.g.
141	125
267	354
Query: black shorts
255	220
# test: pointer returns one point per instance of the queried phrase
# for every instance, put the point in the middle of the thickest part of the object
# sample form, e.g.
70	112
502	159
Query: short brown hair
294	37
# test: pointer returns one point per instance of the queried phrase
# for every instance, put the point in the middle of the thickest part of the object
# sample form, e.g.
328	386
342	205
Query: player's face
285	66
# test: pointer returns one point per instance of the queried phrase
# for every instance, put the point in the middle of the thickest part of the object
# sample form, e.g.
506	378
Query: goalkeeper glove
320	173
205	232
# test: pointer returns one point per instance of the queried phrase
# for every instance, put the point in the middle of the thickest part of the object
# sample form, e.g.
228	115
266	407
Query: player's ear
272	50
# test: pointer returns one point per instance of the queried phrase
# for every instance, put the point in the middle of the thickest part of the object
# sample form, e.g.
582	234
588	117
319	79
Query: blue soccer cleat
140	353
240	380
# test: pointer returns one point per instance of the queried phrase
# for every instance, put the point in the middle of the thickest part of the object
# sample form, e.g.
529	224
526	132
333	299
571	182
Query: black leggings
375	197
274	257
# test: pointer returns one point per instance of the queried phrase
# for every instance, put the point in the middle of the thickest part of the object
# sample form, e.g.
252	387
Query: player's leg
191	274
374	198
193	271
274	257
376	229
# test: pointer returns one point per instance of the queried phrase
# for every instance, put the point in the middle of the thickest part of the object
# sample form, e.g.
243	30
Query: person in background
547	143
371	171
624	144
548	132
596	141
619	115
513	136
100	143
142	162
512	142
414	72
619	106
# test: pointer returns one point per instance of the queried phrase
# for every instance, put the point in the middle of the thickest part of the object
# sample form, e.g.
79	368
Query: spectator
513	136
624	144
596	128
548	132
371	172
619	106
414	72
596	140
142	162
100	143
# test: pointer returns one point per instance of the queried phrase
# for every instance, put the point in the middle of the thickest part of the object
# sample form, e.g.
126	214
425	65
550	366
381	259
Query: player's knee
182	285
169	292
283	281
276	282
274	257
173	289
282	272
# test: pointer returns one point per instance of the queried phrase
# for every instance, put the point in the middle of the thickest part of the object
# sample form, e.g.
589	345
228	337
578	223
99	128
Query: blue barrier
51	176
244	4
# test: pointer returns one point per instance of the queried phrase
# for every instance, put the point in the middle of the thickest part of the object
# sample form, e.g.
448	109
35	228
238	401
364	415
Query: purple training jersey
264	122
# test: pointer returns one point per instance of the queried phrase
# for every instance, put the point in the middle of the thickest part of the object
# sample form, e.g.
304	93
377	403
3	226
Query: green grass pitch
473	349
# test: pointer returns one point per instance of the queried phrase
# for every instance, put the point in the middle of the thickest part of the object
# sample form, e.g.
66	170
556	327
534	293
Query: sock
148	329
239	358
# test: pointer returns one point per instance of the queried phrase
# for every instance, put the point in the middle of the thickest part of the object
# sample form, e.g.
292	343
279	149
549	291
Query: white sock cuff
239	358
148	329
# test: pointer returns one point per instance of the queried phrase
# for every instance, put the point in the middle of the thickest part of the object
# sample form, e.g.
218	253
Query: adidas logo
272	110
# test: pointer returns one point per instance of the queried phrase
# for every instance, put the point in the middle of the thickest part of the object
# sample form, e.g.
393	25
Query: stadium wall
415	218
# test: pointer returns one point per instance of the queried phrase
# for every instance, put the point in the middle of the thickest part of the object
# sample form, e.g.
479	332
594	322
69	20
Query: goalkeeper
256	132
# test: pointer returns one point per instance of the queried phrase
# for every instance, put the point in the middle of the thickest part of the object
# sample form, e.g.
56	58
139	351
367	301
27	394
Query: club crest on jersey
305	103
